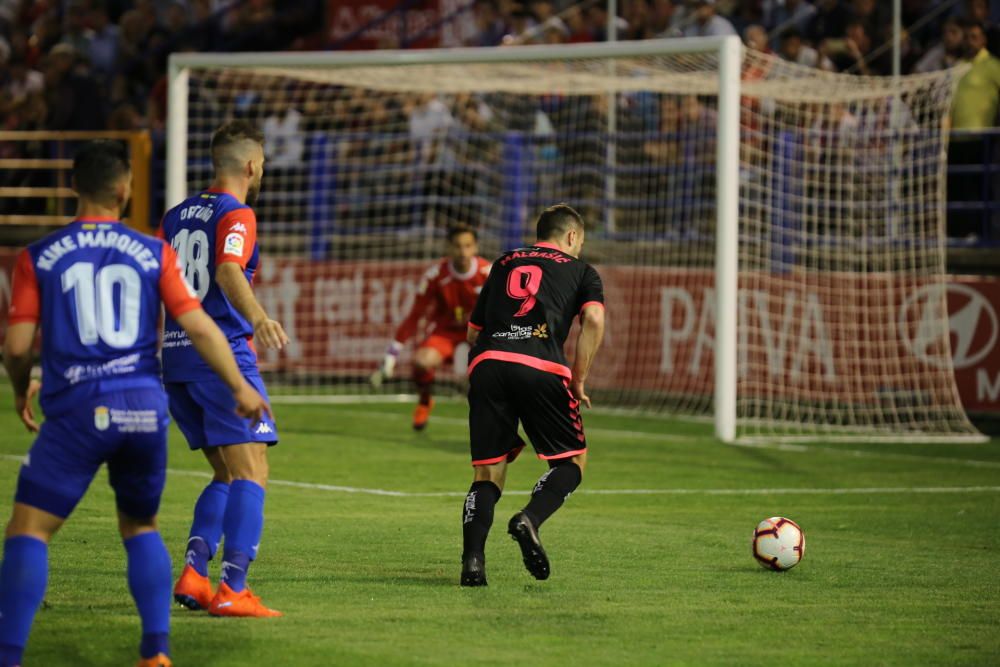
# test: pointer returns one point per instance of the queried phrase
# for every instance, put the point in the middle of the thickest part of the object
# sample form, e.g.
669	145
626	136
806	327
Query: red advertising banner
801	334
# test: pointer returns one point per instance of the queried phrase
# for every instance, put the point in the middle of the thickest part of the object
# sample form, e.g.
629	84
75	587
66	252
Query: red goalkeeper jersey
445	299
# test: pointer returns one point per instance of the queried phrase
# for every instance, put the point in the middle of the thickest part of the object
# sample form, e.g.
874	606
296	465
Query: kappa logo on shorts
263	428
102	418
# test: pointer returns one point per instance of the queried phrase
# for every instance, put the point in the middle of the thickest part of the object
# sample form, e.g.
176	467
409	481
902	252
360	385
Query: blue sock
149	579
243	525
23	577
206	529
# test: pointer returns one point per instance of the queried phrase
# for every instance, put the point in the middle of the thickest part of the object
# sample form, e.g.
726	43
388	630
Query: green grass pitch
905	573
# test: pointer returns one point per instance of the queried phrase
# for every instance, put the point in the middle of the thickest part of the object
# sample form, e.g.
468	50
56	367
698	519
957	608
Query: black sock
477	516
552	489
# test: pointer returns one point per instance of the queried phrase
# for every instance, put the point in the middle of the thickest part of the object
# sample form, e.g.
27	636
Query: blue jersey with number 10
207	230
95	288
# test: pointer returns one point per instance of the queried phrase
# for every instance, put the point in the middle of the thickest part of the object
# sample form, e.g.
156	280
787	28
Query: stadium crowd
67	51
101	64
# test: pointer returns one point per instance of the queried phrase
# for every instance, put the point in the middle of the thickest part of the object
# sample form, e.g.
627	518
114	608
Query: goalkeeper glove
388	366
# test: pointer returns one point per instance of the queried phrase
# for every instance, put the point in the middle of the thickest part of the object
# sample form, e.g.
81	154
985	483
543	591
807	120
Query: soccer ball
778	543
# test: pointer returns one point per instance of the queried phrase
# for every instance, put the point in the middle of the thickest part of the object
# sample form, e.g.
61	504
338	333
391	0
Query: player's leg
430	354
494	443
242	453
23	576
55	475
243	525
137	473
194	589
551	418
149	579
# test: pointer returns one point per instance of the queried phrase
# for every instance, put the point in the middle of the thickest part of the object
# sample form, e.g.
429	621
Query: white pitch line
865	454
336	488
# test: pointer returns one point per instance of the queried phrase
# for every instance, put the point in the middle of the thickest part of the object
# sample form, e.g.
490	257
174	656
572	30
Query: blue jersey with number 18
95	288
207	230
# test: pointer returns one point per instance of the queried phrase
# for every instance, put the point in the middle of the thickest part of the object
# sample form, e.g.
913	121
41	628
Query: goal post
761	241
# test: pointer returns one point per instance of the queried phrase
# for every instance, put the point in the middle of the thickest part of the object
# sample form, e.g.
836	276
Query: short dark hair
461	228
557	220
791	33
973	24
98	166
228	136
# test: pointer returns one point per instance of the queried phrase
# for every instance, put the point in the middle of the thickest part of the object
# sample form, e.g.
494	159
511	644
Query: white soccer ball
778	543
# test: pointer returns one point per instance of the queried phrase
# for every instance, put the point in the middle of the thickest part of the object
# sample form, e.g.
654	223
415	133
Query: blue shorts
126	430
205	411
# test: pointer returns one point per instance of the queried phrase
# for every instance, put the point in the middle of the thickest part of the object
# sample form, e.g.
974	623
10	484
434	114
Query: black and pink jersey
527	306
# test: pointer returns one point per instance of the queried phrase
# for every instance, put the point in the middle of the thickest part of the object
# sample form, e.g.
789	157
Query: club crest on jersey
102	418
233	245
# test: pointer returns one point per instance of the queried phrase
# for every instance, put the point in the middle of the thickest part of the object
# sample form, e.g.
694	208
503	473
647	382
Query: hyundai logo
920	329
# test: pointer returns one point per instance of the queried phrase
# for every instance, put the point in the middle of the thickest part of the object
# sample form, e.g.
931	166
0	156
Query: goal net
770	236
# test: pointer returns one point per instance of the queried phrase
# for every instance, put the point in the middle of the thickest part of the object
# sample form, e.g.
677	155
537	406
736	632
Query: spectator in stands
945	53
792	48
73	95
489	24
869	15
45	33
662	16
978	11
429	120
176	18
797	14
707	23
976	100
579	31
597	17
830	20
850	53
21	82
520	25
76	32
665	149
104	43
755	37
284	143
974	108
132	79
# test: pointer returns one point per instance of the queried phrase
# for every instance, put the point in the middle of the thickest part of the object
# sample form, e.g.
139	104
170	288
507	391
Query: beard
252	192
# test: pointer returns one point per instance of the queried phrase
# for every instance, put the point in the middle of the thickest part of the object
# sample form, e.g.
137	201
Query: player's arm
405	331
182	305
591	333
234	285
25	311
213	347
478	318
236	236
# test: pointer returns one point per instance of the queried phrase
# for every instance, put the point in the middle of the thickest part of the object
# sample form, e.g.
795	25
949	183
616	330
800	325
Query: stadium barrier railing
36	180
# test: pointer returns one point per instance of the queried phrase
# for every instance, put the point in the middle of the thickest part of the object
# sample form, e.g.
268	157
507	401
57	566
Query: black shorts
501	393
